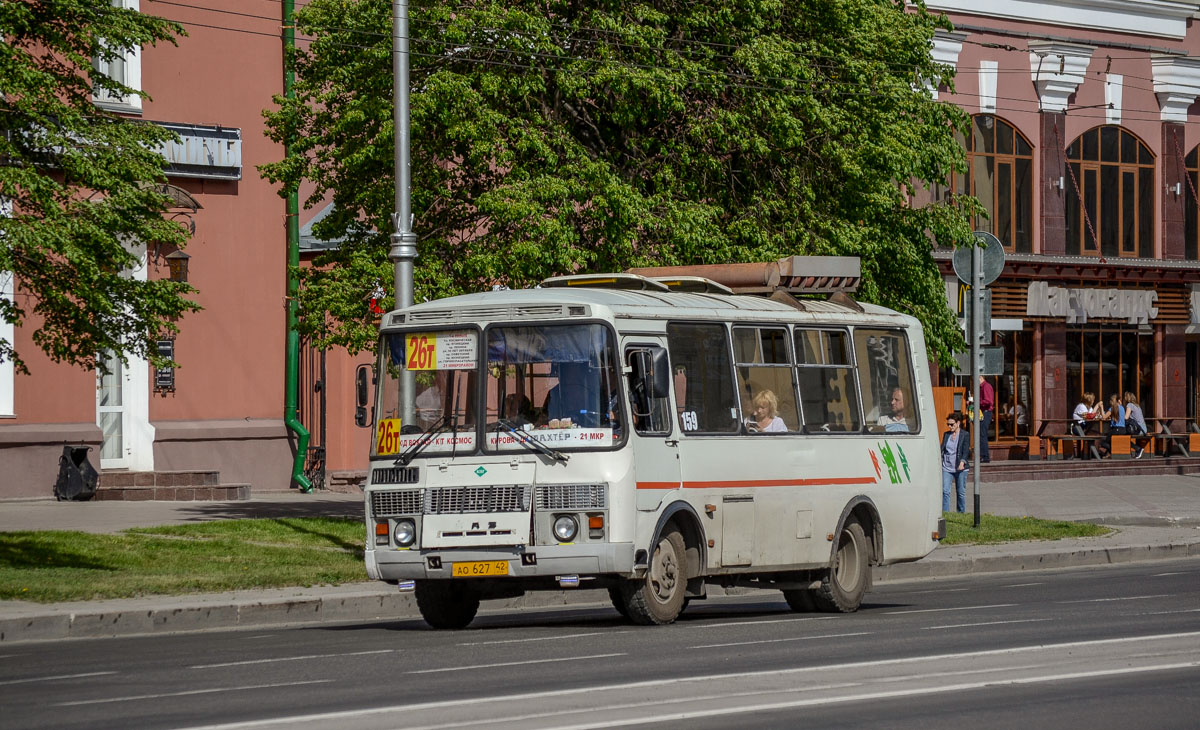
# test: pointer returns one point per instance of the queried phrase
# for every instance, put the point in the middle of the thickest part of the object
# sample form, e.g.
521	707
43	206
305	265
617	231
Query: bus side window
764	373
888	387
705	394
828	390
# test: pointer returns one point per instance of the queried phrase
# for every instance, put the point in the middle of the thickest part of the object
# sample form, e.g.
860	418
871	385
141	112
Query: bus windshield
442	367
557	382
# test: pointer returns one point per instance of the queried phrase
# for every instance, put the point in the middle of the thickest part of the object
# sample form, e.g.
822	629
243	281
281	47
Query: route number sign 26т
455	351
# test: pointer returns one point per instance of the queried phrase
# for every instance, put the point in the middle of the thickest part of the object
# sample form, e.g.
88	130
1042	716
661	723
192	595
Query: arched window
1191	243
1114	172
1000	174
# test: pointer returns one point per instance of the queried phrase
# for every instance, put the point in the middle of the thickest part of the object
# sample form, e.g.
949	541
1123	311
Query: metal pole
404	241
975	333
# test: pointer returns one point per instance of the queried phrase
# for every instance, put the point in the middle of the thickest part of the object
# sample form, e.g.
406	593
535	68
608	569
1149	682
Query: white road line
290	659
541	638
1023	585
514	664
960	608
778	641
817	669
55	677
1180	572
817	701
987	623
719	624
1121	598
185	693
940	590
1164	613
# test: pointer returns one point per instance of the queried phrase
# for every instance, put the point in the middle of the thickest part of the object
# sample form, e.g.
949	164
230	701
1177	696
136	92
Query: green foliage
994	529
224	555
78	180
560	137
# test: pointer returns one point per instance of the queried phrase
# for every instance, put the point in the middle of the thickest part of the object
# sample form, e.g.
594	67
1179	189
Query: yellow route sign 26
441	351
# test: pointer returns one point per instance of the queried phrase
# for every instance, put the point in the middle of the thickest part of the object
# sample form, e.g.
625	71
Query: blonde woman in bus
766	410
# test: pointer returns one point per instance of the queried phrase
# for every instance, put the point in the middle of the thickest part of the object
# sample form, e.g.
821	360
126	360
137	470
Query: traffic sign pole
977	319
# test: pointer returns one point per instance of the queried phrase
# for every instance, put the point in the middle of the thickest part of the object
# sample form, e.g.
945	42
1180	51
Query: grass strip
961	530
53	566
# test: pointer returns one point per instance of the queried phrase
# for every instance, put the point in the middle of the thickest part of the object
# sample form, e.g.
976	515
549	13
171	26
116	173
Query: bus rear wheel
446	605
843	588
658	598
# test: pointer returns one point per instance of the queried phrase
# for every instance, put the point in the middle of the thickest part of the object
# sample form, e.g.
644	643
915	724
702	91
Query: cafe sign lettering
1135	306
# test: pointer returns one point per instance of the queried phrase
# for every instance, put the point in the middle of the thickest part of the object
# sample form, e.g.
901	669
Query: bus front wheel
658	598
446	605
842	589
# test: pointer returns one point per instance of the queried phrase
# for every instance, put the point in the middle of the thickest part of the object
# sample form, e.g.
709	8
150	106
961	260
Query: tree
77	185
556	137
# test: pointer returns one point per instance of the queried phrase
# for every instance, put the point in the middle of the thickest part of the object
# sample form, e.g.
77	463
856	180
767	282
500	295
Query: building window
1000	175
125	67
1189	190
1014	387
1112	173
1107	361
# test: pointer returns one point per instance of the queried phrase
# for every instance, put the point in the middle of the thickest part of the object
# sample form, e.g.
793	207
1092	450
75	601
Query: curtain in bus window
886	376
704	391
828	390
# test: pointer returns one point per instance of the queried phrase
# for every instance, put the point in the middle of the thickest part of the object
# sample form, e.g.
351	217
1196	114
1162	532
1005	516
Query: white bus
615	431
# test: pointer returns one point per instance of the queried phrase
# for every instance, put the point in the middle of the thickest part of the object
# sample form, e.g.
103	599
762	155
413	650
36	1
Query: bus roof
556	302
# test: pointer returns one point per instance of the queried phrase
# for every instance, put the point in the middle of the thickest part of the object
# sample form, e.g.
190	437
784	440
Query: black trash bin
77	478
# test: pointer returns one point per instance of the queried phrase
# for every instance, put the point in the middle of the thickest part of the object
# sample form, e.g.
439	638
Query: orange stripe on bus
825	481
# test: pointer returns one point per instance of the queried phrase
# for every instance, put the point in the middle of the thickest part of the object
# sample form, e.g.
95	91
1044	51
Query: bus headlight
565	528
405	532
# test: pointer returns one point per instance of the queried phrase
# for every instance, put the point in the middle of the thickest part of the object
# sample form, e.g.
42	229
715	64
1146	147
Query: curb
378	602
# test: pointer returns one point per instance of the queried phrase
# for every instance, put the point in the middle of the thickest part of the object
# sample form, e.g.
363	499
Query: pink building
222	410
1084	151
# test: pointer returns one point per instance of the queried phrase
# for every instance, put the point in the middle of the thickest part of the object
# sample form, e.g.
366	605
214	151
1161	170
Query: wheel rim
846	573
664	572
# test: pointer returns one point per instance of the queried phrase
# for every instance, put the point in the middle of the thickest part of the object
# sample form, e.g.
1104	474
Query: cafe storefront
1069	326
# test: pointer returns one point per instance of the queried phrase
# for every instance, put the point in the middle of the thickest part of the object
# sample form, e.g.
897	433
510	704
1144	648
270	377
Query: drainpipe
292	386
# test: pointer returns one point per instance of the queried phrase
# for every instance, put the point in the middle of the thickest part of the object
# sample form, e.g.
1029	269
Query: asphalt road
1084	648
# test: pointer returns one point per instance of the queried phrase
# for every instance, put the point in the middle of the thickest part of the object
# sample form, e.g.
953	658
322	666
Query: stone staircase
168	486
1046	469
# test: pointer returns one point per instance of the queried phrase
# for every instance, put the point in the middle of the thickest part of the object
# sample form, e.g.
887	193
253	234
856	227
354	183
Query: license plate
479	569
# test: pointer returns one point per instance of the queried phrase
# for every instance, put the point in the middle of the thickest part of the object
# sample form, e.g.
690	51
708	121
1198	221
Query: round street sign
991	259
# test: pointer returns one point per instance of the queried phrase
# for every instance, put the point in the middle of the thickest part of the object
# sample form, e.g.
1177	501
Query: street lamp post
404	241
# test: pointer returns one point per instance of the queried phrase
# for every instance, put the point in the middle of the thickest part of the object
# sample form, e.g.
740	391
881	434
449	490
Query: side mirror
362	393
651	370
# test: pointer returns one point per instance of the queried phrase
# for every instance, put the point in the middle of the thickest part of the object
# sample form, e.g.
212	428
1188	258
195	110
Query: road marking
55	677
1180	572
541	638
185	693
1164	613
777	641
1023	585
719	624
514	664
939	590
960	608
819	669
1121	598
290	659
987	623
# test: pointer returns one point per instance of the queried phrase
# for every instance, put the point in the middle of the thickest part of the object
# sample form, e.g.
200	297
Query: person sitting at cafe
1115	414
1085	413
1135	423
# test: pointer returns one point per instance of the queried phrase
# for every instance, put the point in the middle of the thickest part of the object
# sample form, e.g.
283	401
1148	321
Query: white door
112	415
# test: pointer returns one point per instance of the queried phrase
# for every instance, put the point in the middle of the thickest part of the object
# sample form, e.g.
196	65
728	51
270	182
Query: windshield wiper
528	441
424	440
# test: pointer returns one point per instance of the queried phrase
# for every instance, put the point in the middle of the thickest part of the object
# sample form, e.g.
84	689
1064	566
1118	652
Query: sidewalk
1157	518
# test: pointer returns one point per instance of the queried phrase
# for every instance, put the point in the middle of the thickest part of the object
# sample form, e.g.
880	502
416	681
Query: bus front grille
572	496
396	502
460	500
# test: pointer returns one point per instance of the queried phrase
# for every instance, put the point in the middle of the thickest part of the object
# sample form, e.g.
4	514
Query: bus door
655	445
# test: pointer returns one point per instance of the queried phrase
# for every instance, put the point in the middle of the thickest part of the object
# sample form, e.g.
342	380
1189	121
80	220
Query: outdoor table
1069	433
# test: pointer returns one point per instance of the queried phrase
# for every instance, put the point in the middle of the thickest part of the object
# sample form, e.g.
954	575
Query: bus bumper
389	564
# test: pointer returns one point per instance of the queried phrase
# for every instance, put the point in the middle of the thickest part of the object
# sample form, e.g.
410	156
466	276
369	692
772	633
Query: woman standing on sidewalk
956	451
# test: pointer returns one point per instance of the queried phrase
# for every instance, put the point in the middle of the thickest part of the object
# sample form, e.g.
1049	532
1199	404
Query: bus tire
658	598
843	587
618	601
446	605
800	600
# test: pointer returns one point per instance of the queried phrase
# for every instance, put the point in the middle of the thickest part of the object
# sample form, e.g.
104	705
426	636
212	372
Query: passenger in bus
897	420
566	403
766	410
